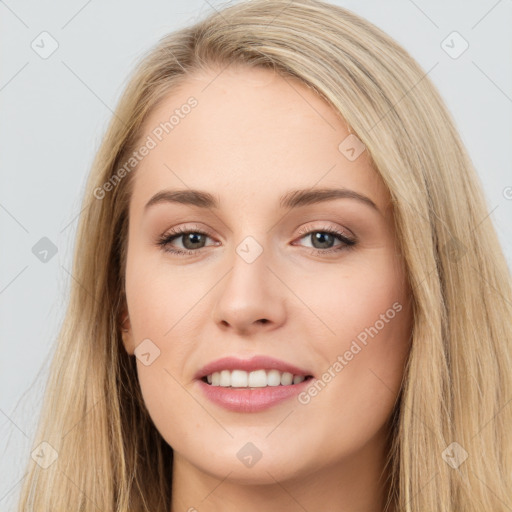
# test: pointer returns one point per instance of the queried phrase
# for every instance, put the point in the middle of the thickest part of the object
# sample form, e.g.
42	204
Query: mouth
256	379
251	385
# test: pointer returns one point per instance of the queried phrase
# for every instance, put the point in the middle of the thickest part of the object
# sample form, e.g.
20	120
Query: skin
252	137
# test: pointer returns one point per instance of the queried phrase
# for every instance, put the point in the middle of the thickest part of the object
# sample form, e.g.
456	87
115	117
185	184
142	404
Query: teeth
255	379
238	379
274	378
225	378
286	379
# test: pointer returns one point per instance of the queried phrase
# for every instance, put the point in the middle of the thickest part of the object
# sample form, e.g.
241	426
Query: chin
262	473
247	465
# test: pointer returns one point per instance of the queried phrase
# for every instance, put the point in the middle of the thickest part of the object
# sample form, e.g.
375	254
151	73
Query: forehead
248	132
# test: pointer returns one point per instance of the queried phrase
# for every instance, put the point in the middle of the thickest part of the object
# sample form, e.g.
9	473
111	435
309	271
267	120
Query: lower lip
251	400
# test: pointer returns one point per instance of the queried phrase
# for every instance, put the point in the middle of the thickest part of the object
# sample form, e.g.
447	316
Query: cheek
365	318
159	297
161	310
359	293
364	353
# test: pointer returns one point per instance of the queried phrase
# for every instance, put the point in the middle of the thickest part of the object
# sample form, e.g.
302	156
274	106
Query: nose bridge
251	249
251	237
249	264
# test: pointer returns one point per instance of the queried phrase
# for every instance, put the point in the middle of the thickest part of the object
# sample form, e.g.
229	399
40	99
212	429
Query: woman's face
235	177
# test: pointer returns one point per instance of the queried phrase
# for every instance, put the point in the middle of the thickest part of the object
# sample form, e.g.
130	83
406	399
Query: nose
250	298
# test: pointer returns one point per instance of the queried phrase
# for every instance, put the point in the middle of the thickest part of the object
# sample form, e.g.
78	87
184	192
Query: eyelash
164	241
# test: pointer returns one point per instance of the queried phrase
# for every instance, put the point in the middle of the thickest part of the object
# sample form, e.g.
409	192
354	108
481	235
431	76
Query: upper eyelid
309	229
305	230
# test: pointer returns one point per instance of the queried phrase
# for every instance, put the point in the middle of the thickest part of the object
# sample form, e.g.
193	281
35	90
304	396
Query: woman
288	294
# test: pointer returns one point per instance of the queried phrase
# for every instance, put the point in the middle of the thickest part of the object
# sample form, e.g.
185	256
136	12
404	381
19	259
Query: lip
249	365
250	400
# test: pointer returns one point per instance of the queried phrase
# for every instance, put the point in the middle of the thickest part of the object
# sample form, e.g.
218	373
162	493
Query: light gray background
55	110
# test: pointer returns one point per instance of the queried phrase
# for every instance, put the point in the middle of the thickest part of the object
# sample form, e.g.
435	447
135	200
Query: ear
126	333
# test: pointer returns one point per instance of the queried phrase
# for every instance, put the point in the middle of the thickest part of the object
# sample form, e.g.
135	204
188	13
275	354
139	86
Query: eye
323	240
192	241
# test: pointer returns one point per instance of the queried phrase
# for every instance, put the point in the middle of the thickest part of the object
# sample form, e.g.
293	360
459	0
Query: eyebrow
292	199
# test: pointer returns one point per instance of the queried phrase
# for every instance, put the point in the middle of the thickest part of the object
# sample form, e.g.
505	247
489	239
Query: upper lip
254	363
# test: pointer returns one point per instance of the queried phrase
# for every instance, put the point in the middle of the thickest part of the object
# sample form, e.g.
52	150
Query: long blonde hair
457	380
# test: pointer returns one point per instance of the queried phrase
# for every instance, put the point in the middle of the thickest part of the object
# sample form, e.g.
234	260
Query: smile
251	385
